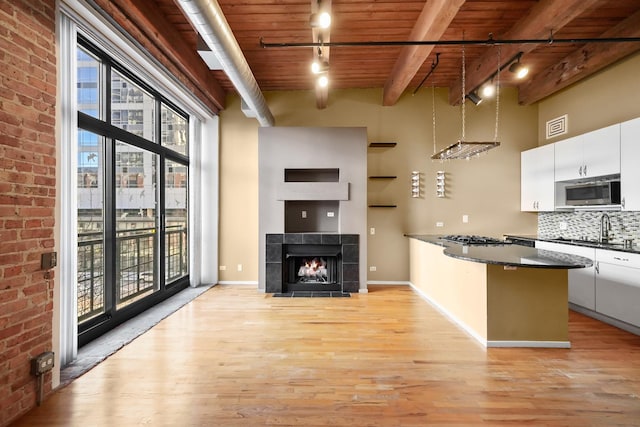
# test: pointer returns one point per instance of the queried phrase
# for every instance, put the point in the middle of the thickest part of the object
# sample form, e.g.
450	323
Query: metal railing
136	266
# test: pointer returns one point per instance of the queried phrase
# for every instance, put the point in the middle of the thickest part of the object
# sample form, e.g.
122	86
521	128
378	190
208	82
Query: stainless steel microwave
593	193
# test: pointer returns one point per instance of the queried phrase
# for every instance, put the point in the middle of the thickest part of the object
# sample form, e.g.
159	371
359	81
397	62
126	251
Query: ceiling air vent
557	127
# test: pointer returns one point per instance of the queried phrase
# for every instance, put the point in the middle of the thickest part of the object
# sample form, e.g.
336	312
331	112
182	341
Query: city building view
120	186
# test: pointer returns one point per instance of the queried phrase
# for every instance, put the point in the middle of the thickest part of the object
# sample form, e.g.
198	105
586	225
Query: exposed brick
7	295
11	331
11	258
27	194
12	271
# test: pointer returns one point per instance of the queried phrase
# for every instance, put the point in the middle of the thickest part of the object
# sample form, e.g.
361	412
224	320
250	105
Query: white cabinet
589	155
630	165
601	151
582	289
568	158
537	179
618	285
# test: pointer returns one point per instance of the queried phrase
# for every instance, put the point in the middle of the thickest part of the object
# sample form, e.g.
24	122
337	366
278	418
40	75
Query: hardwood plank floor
236	357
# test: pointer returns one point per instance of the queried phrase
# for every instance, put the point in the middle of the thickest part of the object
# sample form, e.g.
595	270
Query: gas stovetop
472	240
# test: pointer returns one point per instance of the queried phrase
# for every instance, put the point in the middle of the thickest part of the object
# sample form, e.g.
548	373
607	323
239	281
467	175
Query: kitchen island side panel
527	304
457	287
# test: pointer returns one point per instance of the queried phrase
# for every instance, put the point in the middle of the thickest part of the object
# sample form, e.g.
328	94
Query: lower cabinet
582	287
618	285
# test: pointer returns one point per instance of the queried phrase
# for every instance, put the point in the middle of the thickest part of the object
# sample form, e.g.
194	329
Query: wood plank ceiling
400	69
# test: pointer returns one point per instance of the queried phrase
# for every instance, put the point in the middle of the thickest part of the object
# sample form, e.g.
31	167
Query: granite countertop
578	242
508	254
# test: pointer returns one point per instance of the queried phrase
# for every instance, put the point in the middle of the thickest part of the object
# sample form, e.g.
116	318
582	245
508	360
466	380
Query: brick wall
27	195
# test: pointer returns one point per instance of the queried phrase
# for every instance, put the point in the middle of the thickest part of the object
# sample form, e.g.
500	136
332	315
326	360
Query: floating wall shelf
383	206
382	177
382	144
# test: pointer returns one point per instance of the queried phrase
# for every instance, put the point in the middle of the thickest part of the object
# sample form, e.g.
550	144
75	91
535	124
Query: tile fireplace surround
312	185
275	243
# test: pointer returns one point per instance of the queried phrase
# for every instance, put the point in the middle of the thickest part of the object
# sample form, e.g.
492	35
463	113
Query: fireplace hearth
313	262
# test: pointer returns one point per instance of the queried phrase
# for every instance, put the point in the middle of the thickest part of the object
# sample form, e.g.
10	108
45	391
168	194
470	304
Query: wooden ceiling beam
545	17
582	62
146	23
324	34
435	18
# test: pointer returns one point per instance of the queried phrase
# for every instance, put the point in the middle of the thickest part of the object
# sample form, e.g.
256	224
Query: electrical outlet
222	267
372	231
239	267
465	218
372	268
331	214
42	363
439	224
562	225
304	214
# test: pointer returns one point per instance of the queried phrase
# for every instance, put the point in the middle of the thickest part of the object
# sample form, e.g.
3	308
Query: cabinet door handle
585	170
621	259
580	171
597	267
622	203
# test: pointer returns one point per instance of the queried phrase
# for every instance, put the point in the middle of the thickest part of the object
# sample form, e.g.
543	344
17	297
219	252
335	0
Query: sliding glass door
132	194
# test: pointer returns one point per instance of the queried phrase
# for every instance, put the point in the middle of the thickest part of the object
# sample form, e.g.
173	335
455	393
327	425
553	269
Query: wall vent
557	127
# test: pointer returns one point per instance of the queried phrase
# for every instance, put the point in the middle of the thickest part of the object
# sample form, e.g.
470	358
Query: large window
132	192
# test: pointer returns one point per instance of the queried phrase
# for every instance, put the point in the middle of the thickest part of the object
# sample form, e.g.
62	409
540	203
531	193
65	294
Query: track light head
519	69
319	66
488	90
473	97
323	81
320	20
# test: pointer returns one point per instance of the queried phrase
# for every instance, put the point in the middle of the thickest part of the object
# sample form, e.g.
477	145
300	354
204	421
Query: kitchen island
503	295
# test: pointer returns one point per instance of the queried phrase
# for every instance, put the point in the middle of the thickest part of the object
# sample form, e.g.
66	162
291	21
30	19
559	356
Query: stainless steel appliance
593	193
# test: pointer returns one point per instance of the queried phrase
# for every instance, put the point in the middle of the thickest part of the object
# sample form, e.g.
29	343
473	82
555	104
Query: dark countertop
634	249
508	254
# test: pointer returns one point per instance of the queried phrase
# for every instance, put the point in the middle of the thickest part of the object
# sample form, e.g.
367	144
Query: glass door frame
112	316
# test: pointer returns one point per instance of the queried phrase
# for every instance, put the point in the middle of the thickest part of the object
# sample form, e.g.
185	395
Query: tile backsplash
586	224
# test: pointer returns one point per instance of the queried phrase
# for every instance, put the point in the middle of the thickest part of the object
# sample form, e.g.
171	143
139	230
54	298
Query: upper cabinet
630	165
537	179
589	155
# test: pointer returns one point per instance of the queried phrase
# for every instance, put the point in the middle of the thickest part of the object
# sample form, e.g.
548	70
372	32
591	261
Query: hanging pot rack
468	149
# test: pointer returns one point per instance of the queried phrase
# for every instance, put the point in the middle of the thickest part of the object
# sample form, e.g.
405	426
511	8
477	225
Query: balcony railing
136	261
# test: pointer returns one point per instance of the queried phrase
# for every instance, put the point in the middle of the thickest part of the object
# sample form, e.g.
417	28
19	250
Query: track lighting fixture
319	66
320	20
323	81
488	90
473	97
519	69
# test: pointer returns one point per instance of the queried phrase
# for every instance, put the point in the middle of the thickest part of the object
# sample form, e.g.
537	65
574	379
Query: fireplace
312	189
312	268
312	262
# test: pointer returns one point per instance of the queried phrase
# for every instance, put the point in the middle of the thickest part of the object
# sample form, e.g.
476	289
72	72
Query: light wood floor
236	357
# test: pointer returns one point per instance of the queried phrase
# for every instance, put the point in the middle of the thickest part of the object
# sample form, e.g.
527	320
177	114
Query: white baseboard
388	282
484	342
537	344
450	316
237	282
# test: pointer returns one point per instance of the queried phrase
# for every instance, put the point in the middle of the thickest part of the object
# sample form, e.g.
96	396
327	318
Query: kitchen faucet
605	227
